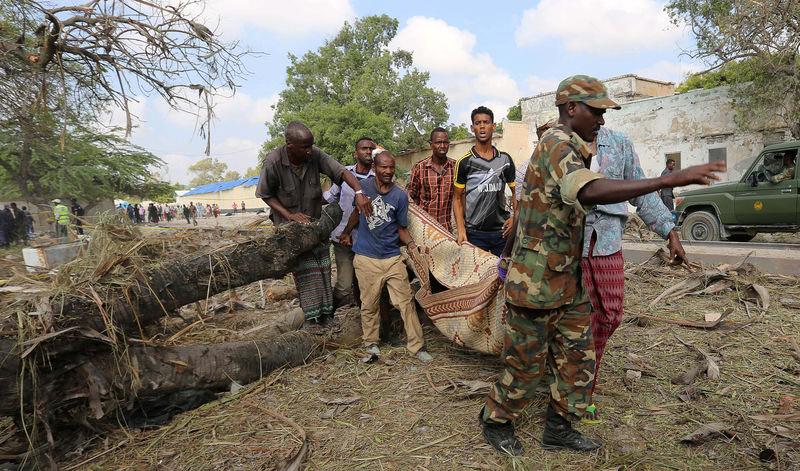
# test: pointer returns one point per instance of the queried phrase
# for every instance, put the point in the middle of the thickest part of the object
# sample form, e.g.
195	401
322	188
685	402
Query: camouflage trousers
556	343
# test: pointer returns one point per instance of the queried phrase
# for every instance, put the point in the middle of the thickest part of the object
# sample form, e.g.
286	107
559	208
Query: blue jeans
489	241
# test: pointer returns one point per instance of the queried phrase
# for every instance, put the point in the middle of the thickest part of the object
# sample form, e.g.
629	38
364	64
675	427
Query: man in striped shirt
431	183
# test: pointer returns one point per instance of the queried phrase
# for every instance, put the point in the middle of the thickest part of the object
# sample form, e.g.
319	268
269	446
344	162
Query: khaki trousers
372	275
344	271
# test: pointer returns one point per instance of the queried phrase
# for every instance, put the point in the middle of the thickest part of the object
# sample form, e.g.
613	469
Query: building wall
515	141
691	126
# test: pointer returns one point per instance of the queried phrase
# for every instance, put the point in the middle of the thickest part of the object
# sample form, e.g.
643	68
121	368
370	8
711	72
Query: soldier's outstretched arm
607	191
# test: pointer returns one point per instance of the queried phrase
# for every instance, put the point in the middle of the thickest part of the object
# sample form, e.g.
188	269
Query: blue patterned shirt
617	159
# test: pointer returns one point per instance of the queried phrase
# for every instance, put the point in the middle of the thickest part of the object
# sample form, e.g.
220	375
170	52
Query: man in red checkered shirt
431	183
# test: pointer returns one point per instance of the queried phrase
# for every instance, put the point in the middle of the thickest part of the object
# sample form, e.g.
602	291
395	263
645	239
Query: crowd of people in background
16	224
156	213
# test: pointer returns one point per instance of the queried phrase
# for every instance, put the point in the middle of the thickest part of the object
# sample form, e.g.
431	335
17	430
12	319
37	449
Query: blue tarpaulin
215	187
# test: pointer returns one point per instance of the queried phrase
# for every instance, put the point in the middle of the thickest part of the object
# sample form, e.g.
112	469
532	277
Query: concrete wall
515	141
689	124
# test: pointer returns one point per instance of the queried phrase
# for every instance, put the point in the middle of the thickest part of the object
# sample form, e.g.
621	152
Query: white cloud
670	71
600	28
457	70
537	85
242	108
293	19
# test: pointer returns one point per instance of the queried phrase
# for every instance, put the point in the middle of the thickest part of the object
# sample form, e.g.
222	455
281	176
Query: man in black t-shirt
481	176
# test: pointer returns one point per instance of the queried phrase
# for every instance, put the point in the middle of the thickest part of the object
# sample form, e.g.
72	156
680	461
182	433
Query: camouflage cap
586	89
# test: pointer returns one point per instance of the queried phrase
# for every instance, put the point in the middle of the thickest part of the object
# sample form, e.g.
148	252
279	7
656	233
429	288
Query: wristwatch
360	192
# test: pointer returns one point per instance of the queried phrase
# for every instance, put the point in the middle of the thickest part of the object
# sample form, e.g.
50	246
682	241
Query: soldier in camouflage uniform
787	172
548	307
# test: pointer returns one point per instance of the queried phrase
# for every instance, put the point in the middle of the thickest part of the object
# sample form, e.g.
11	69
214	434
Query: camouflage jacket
786	174
545	263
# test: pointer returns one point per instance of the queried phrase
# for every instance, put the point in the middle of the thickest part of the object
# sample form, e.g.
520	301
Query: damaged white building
692	128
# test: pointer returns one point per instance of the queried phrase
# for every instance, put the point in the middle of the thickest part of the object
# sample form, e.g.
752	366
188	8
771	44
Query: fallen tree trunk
90	386
176	283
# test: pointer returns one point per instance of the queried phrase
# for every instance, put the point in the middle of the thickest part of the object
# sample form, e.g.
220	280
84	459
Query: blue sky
476	52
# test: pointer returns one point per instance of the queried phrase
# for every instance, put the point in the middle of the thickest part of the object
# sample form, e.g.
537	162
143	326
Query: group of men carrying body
561	245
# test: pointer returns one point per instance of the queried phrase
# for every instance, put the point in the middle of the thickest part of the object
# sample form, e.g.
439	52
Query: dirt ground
401	414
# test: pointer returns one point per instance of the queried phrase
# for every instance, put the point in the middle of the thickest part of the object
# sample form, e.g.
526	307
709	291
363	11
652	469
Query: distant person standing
243	209
28	221
61	215
234	207
666	193
431	182
77	211
6	225
18	230
193	213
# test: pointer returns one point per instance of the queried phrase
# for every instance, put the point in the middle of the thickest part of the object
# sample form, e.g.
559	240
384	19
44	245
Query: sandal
313	327
590	416
330	322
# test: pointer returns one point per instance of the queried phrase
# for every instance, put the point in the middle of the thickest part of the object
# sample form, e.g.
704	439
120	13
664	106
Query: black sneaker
501	436
559	434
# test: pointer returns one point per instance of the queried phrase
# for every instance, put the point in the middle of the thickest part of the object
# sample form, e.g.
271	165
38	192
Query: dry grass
407	415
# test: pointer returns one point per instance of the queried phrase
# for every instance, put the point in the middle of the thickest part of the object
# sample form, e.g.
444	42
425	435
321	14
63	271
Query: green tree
91	166
515	112
253	171
352	86
458	132
754	47
63	66
209	170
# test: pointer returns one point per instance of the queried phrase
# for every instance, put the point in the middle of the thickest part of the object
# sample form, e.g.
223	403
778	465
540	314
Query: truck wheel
700	225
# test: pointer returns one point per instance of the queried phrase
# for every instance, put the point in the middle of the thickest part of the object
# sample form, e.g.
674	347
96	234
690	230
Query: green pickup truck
764	200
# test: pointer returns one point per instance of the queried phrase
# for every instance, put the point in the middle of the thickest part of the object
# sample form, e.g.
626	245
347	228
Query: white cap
377	150
56	201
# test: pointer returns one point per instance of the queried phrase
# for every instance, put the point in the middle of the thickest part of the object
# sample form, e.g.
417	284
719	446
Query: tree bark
176	283
97	380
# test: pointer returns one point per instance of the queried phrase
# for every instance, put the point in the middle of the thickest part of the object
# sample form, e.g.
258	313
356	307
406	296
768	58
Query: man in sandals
290	185
602	264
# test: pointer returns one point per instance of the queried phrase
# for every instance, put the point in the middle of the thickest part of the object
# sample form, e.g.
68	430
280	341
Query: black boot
559	434
501	436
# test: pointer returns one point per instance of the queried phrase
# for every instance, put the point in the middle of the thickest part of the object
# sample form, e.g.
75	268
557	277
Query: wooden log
175	283
98	380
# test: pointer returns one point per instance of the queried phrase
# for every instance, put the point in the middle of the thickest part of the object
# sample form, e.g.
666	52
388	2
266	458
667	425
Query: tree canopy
91	166
515	112
753	46
211	170
63	67
354	86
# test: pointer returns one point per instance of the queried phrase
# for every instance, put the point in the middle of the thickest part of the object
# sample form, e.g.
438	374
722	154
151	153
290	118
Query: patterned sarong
460	291
312	278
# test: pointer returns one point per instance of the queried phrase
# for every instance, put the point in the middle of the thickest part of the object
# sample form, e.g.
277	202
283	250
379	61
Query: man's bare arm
607	191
